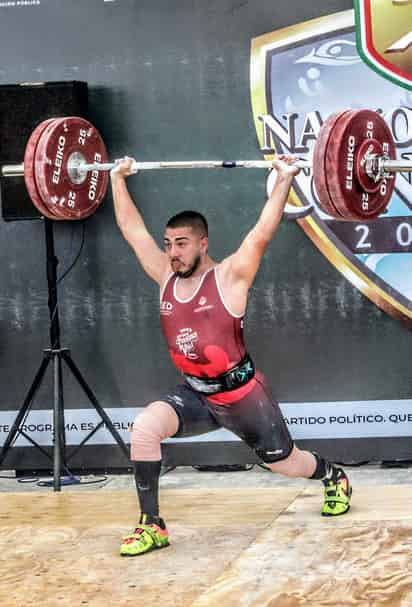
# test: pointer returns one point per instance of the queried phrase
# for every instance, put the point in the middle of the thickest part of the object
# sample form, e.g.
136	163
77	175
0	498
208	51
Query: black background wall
170	80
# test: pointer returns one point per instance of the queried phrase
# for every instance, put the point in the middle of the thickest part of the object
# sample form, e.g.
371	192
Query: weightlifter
202	306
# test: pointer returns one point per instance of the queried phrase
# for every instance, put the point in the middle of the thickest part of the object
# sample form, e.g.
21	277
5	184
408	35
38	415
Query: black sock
325	471
147	475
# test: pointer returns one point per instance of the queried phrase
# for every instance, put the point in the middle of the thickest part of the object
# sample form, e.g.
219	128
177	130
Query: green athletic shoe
145	537
337	496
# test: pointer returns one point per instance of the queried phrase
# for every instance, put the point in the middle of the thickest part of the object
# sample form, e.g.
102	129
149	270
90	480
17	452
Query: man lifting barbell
202	306
354	163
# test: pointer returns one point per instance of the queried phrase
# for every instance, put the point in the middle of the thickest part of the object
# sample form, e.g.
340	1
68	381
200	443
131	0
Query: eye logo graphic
384	37
300	75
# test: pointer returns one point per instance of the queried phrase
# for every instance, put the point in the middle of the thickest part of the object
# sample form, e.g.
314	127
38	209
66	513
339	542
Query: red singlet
204	338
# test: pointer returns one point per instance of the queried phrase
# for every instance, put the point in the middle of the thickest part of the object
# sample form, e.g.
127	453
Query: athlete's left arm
244	263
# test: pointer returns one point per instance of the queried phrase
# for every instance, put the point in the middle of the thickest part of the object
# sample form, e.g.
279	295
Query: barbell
65	167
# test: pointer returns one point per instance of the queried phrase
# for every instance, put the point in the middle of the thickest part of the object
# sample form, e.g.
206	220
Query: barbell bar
377	171
354	161
377	167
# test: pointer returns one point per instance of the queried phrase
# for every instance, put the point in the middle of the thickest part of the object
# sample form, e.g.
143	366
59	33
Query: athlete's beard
191	270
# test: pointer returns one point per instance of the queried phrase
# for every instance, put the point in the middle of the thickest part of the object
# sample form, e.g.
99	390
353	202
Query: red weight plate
320	169
29	168
346	142
70	197
65	144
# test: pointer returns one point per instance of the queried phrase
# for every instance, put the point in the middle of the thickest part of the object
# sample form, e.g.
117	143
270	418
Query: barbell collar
382	167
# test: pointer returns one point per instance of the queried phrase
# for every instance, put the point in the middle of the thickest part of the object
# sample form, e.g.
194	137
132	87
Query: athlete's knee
156	422
271	456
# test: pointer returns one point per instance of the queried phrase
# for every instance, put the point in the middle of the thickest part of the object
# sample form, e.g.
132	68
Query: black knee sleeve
271	456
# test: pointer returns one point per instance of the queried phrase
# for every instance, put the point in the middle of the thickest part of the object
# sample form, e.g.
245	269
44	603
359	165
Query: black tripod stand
56	354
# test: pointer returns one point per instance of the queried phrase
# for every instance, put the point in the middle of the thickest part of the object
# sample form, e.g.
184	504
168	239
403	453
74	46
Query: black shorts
256	419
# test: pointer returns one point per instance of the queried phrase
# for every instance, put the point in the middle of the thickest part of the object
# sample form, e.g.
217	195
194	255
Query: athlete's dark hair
191	219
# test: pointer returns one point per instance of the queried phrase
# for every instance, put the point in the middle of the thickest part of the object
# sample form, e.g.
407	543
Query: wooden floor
230	548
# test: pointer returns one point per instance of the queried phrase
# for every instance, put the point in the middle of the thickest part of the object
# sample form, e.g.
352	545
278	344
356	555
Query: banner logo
299	76
384	37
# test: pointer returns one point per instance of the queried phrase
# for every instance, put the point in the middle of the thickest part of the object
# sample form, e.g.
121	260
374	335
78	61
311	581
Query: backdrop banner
326	420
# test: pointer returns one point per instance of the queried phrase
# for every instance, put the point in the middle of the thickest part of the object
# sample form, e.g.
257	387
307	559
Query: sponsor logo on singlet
202	305
185	341
166	308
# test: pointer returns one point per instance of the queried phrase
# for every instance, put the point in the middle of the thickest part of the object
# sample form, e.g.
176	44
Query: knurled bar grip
193	164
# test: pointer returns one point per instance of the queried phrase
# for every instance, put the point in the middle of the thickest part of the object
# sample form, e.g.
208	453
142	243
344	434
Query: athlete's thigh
258	420
192	411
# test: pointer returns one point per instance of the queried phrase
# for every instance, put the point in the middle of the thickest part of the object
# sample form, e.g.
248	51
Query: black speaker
22	108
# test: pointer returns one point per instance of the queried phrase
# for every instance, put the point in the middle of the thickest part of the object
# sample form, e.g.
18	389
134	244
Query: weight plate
63	147
52	204
29	168
319	165
345	144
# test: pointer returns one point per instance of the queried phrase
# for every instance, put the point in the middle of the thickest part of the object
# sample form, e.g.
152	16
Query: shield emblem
299	76
384	37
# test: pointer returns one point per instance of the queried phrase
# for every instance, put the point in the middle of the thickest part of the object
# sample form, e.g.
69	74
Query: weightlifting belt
238	376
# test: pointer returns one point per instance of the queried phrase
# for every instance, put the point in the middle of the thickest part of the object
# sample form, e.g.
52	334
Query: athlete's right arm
153	260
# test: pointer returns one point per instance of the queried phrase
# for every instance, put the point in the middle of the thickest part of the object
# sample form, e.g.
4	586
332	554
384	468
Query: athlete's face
185	249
